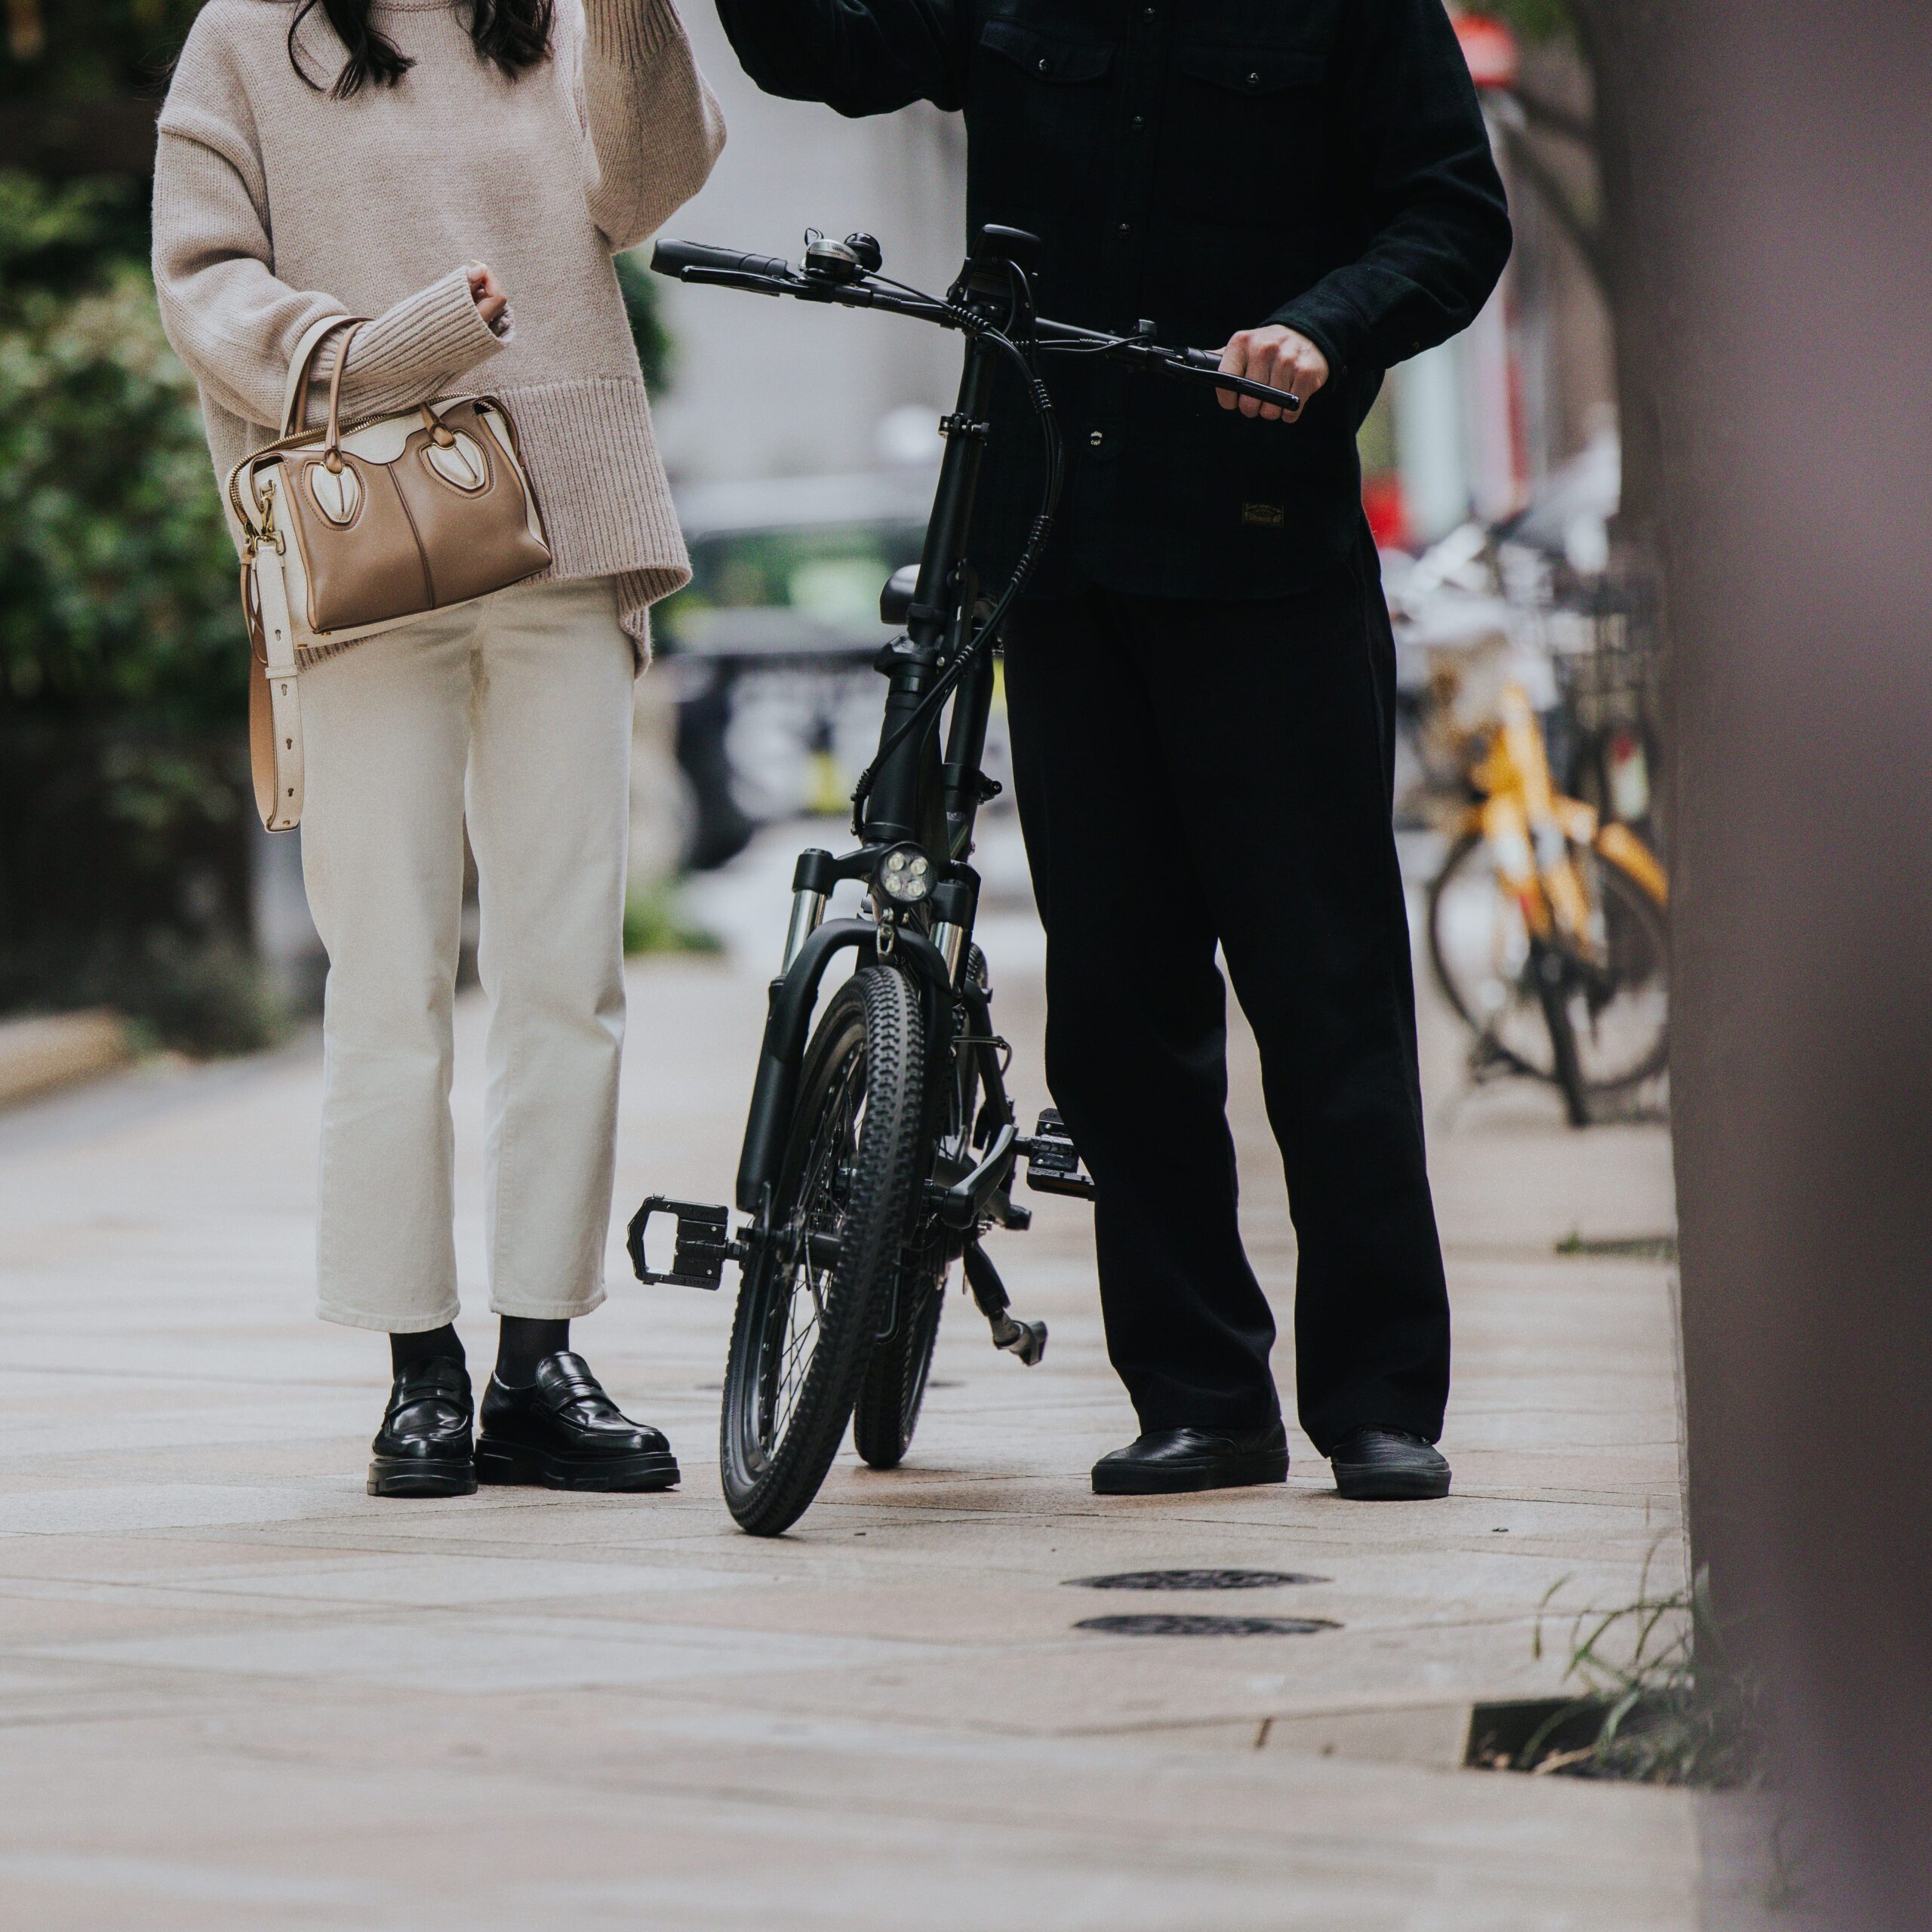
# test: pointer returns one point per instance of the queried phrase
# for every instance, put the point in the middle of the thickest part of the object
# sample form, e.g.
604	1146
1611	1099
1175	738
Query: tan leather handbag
353	529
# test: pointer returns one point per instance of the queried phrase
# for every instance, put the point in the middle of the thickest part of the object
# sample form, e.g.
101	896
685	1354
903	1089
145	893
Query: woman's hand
1281	359
487	292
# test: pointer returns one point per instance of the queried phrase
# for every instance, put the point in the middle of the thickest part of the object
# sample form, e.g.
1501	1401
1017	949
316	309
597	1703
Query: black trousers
1193	773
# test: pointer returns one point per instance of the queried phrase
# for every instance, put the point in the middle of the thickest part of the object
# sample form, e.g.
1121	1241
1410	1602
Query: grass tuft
1660	1701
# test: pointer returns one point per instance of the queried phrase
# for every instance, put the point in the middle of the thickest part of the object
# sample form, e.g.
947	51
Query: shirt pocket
1043	105
1246	139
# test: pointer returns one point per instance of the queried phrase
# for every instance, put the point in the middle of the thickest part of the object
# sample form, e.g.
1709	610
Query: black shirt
1209	165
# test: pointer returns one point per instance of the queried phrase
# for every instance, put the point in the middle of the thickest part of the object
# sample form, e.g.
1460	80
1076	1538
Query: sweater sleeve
655	128
235	324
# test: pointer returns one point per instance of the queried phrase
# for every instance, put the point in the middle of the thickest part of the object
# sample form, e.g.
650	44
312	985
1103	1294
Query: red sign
1490	48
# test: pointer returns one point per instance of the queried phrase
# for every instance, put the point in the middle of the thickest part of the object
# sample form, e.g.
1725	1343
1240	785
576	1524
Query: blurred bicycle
1548	923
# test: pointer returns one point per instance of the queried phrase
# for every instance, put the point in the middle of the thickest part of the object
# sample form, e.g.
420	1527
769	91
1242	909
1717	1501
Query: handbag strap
295	397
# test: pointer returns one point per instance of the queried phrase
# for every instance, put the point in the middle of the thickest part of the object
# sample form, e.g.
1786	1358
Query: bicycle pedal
1053	1161
1027	1340
703	1244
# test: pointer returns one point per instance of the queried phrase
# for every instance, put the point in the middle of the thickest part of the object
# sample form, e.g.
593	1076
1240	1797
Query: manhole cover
1171	1625
1193	1580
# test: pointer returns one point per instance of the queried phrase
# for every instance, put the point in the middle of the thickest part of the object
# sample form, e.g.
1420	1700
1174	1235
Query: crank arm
964	1204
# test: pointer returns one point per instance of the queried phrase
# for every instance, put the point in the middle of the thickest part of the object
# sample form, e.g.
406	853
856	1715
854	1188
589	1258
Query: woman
422	163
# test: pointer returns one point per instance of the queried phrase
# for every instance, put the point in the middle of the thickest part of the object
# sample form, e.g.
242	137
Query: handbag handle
332	439
332	434
295	400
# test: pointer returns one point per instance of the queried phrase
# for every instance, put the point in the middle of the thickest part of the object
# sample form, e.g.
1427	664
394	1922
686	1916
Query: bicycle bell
849	260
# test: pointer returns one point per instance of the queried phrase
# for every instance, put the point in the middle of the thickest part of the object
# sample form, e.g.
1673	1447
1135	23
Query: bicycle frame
899	814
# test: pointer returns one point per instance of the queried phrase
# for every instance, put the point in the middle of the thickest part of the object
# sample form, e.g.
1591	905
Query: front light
906	876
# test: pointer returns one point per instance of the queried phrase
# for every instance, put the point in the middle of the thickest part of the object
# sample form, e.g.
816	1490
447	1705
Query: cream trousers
514	715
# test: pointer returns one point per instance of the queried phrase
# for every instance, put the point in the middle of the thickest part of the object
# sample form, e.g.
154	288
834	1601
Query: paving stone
228	1678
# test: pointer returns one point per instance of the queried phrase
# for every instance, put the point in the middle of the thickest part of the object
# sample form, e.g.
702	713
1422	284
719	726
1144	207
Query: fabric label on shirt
1265	516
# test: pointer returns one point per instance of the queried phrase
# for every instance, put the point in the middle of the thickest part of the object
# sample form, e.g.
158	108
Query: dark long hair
515	34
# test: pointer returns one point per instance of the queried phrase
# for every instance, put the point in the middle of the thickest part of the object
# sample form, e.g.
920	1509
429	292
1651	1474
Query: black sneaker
423	1446
565	1432
1388	1465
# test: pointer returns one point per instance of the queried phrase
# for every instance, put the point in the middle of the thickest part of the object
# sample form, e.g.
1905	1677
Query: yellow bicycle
1548	923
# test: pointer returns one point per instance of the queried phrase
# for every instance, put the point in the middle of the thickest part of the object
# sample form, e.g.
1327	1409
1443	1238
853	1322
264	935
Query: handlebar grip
677	258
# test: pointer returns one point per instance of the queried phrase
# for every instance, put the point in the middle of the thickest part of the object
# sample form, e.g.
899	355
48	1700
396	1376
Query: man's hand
1279	357
487	292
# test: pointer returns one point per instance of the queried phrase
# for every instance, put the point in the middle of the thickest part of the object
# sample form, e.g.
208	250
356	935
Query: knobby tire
872	1033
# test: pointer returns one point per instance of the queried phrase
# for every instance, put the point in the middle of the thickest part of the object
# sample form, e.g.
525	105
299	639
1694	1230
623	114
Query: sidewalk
235	1692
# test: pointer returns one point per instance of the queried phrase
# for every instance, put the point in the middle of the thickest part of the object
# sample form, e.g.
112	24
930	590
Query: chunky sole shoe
1245	1470
510	1464
422	1475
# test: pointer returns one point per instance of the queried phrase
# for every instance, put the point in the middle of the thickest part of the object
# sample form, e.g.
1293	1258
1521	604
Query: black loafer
1170	1462
1388	1465
565	1432
423	1446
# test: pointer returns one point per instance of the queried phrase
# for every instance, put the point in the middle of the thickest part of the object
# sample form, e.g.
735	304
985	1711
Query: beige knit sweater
276	204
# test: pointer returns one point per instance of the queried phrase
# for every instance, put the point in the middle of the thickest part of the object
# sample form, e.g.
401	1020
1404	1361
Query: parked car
770	646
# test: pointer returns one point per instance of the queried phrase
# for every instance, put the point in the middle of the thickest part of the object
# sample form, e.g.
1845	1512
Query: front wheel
817	1293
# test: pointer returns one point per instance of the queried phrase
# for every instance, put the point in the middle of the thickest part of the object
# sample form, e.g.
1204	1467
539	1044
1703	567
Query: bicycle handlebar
767	275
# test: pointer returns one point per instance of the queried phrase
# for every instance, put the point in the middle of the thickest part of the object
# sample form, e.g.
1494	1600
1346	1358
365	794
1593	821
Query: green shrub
117	578
654	921
123	662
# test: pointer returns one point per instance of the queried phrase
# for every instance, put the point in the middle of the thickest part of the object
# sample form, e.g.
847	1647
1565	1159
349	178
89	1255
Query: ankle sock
522	1344
406	1351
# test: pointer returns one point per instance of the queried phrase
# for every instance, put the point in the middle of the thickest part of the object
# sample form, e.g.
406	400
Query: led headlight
906	875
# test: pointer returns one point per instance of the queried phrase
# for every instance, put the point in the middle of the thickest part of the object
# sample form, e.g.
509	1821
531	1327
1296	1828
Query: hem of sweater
601	486
636	591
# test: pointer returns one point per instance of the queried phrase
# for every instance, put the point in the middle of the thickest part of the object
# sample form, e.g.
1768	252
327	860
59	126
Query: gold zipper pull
270	533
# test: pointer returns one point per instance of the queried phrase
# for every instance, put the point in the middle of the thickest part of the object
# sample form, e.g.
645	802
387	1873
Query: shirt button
1046	66
1139	121
1125	228
1254	80
1095	437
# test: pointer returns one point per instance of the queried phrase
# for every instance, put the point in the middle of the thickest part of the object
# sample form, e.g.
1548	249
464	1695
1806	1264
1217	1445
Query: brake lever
1195	365
1202	365
754	284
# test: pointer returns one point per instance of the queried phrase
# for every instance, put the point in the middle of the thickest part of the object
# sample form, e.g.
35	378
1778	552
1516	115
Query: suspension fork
788	1020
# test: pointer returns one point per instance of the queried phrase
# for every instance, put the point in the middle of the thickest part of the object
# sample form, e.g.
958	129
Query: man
1201	686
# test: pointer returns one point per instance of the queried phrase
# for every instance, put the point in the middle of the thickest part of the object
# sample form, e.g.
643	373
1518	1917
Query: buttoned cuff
1315	320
